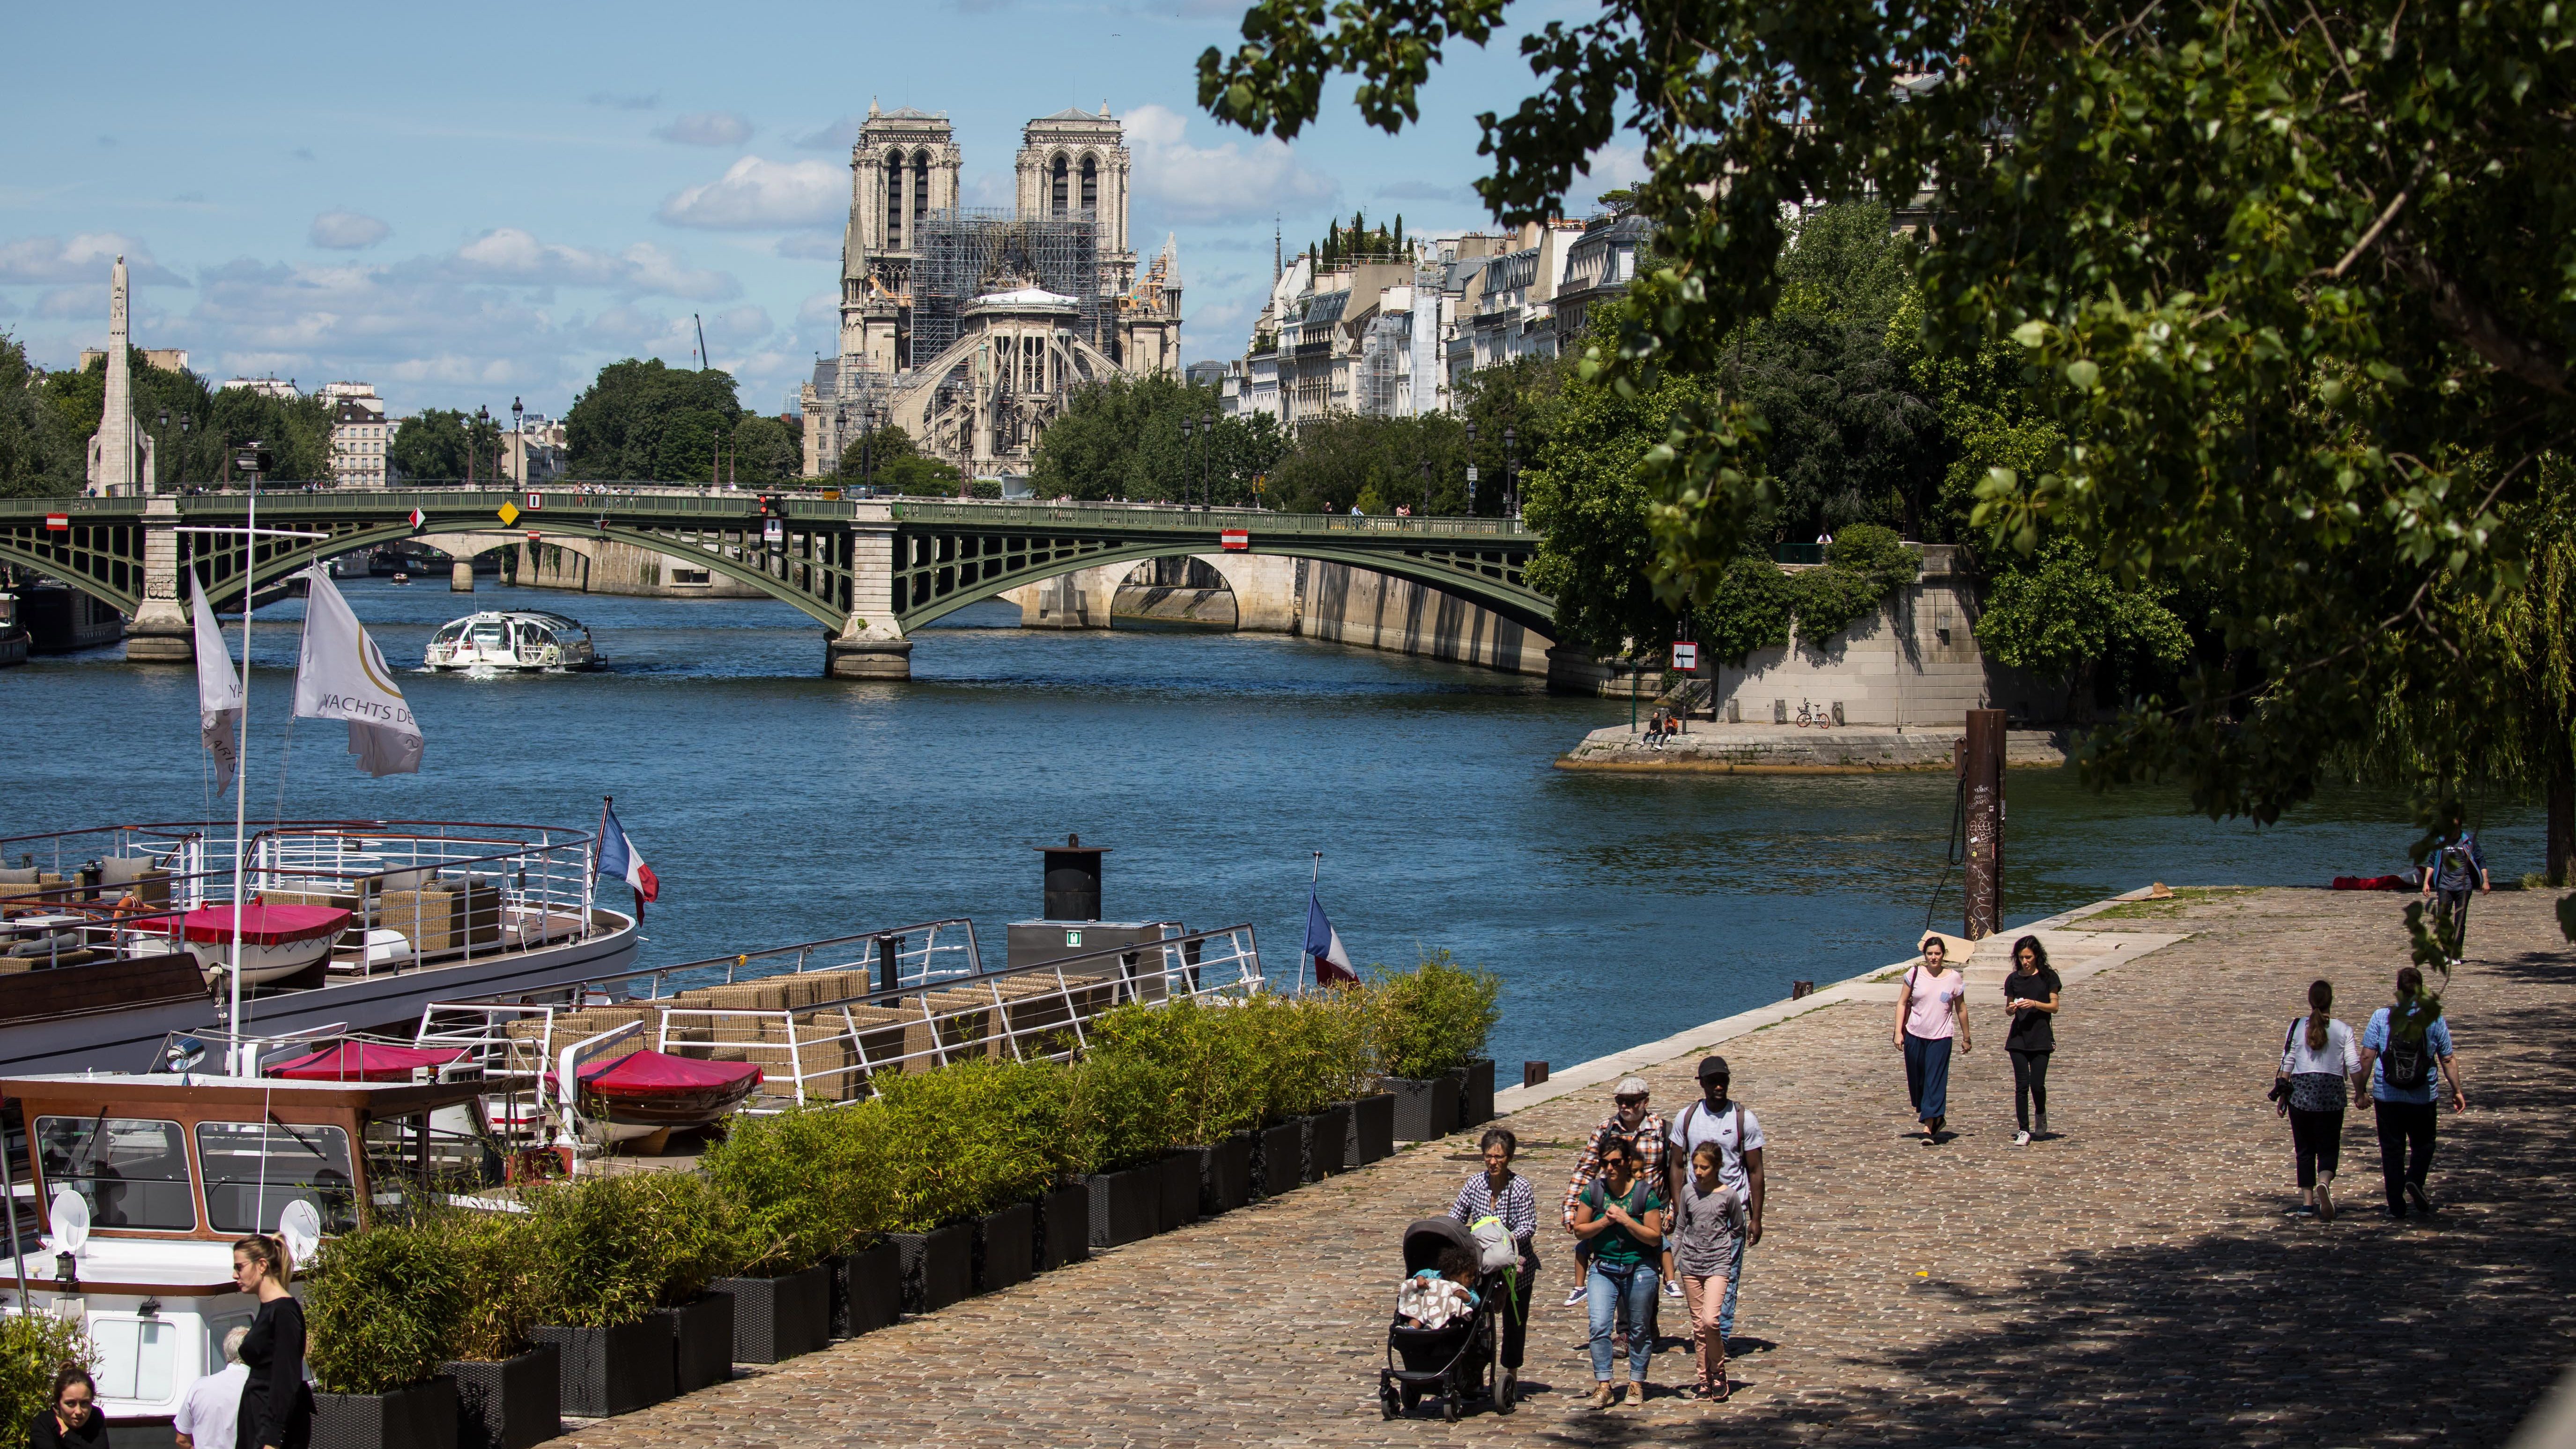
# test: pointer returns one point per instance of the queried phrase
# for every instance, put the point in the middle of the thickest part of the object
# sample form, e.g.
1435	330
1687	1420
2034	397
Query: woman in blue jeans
1622	1218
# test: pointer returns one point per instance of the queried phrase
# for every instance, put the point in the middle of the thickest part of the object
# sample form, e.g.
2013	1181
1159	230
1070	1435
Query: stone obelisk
114	471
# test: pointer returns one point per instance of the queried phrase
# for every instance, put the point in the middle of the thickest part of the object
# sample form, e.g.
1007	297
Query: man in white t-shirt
212	1406
1738	1136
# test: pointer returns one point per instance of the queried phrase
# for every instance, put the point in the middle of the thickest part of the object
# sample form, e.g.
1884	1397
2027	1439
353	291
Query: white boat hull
262	964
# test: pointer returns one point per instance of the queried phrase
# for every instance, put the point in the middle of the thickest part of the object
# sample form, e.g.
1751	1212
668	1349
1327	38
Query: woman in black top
276	1408
2030	999
72	1421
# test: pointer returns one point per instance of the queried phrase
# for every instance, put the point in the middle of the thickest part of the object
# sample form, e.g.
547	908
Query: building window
1091	184
920	183
1056	202
894	202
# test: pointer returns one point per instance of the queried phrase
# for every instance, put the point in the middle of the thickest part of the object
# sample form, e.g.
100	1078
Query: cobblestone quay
2132	1281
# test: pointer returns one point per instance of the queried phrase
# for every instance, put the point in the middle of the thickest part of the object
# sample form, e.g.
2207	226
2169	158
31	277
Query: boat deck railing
419	892
828	1035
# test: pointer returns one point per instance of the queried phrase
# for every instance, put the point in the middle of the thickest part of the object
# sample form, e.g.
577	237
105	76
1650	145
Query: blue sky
467	203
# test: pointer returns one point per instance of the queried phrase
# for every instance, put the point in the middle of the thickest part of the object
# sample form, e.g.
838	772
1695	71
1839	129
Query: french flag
1332	963
618	858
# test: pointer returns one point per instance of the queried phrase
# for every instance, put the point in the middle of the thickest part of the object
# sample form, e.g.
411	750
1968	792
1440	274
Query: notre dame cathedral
969	328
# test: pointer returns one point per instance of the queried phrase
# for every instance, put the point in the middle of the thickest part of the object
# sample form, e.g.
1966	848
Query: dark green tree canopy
444	445
1123	439
296	431
642	420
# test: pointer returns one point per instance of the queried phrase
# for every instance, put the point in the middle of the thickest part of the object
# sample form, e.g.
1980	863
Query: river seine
778	806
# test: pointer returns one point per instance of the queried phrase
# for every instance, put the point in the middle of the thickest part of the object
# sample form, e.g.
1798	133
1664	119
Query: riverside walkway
2133	1281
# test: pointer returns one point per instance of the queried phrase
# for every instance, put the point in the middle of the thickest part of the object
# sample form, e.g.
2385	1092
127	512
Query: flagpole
1314	879
241	777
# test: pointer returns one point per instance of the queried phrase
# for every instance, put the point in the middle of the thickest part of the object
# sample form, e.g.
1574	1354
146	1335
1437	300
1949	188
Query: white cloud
85	258
347	231
707	128
73	302
1612	167
757	194
1217	183
510	255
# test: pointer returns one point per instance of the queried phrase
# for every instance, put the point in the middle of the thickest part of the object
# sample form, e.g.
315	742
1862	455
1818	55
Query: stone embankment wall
1750	749
1305	597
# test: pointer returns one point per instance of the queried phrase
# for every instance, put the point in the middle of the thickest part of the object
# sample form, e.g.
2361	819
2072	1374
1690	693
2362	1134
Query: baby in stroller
1443	1340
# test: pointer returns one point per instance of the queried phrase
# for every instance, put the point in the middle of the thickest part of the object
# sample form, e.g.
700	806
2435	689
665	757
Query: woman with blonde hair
276	1407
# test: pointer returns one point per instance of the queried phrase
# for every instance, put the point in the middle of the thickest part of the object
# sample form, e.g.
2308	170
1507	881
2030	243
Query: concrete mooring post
1983	765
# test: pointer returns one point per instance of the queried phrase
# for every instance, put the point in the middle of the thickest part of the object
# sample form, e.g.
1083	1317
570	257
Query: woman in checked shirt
1502	1193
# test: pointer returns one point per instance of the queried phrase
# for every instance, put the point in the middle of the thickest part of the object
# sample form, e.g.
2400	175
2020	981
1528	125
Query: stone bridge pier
871	642
161	632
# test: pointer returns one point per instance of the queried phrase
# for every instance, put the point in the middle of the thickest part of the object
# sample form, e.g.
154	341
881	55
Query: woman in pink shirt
1931	1009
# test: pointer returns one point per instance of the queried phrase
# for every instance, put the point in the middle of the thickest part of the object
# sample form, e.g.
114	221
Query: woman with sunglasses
72	1420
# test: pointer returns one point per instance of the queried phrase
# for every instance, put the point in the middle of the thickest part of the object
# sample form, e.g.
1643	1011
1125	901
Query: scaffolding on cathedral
965	253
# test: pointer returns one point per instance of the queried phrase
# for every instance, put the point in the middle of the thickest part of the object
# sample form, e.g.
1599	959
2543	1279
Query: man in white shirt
1738	1136
211	1409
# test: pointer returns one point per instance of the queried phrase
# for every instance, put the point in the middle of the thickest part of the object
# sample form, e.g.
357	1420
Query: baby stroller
1466	1356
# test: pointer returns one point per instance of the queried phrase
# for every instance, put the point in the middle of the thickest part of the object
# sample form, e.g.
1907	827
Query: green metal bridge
871	571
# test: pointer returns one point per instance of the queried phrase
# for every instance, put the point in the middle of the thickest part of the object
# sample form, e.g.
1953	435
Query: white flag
219	691
342	676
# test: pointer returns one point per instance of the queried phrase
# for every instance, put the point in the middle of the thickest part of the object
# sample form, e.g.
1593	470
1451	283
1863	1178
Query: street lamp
482	419
1208	494
519	443
1471	467
1188	425
1511	497
1426	485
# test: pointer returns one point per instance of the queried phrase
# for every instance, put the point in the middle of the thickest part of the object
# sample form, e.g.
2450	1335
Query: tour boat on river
113	939
513	639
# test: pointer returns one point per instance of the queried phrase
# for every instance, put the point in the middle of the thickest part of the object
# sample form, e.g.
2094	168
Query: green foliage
804	1185
296	431
1863	566
384	1305
619	1247
765	450
1122	439
642	420
501	1257
441	445
1121	1112
1316	1049
967	1139
33	1347
1749	609
1208	1056
2061	618
1378	463
888	460
39	456
1434	1017
2290	291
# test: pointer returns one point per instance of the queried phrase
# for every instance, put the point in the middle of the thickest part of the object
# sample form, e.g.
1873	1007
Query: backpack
1681	1125
1495	1250
2407	1064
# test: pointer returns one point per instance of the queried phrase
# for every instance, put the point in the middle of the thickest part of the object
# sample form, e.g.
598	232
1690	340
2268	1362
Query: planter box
1425	1108
1225	1174
1372	1133
1475	1092
617	1370
1125	1206
938	1266
1279	1157
1006	1247
415	1416
1063	1227
1327	1141
1180	1191
871	1291
701	1342
778	1318
512	1404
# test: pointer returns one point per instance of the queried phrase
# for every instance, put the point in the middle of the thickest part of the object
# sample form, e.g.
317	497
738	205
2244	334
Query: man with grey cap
1715	1118
1630	1122
208	1414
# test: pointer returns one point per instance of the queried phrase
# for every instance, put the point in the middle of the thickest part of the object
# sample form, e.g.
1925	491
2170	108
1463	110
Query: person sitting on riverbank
1659	728
1629	1122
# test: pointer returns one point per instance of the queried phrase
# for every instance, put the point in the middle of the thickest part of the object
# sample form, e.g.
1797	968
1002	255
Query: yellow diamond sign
509	514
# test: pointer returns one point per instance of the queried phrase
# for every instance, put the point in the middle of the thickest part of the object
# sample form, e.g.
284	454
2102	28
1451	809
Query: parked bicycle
1810	716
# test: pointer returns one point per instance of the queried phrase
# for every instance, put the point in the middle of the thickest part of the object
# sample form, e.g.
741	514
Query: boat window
254	1169
138	1358
450	634
452	1159
133	1171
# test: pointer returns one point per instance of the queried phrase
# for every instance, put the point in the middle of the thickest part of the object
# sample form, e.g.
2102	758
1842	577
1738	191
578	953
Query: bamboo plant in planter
804	1185
1119	1123
508	1386
968	1147
1427	1023
603	1284
382	1307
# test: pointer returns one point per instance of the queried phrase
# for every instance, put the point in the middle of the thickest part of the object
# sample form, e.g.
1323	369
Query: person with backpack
1629	1122
1737	1134
1622	1216
2031	991
2318	1062
2400	1050
1931	1009
2456	865
1504	1195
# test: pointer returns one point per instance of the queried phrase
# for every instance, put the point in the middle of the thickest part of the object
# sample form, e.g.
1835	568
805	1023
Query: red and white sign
536	500
1236	540
416	517
1685	658
58	520
532	535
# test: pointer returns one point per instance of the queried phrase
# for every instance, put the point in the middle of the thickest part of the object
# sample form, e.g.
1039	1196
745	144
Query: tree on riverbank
1123	439
642	420
38	455
295	430
2290	291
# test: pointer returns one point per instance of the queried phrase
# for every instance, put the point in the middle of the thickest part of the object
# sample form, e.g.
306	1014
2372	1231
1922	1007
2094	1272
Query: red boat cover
261	925
352	1061
2371	883
647	1070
